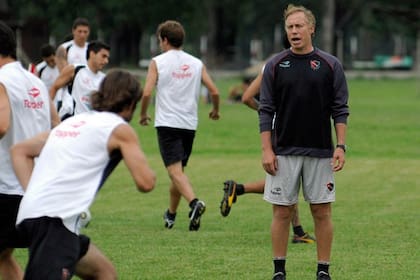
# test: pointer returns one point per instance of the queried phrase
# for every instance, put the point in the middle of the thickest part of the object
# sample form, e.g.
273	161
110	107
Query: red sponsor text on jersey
33	104
66	133
183	73
30	104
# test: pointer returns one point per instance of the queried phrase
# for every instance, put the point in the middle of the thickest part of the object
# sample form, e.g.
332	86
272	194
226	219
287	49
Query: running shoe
303	239
229	197
169	219
195	214
279	276
322	275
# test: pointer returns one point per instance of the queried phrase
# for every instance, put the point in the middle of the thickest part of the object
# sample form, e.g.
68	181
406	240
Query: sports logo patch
276	191
285	64
34	92
330	186
185	67
31	103
315	64
78	124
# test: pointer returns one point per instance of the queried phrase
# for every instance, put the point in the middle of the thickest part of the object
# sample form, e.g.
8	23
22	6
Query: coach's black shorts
53	250
9	206
175	144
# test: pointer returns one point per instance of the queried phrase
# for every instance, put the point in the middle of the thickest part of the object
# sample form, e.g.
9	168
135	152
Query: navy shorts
175	144
53	250
9	238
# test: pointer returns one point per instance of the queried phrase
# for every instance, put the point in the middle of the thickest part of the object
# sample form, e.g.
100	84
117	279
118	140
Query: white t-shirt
75	54
70	169
178	89
47	74
30	115
85	83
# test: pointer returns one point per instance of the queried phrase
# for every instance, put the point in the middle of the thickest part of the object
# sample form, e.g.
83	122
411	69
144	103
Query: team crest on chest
285	64
315	64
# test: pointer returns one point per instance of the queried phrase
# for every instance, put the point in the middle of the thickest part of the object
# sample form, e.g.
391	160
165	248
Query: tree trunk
417	58
327	36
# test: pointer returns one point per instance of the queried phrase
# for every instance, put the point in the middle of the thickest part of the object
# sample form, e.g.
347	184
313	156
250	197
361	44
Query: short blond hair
291	9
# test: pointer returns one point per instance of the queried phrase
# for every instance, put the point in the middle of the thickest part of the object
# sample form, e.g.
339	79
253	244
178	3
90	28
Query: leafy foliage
229	24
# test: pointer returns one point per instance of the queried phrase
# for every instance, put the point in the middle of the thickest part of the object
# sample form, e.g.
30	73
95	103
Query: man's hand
269	162
337	161
214	115
144	120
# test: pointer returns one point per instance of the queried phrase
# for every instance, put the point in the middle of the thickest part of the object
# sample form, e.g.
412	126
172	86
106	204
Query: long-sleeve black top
300	95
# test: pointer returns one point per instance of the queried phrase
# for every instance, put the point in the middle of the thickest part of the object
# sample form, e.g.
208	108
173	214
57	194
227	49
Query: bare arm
55	119
251	92
151	79
269	159
65	76
125	139
214	93
338	159
23	154
4	111
61	58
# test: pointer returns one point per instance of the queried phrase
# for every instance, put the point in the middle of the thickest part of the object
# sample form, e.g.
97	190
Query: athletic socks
323	266
240	190
193	202
298	230
279	264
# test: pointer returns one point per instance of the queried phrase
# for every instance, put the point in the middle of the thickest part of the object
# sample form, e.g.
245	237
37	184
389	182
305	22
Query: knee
283	212
321	211
108	272
6	256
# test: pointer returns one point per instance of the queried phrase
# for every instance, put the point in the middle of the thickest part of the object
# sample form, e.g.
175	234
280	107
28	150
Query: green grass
376	215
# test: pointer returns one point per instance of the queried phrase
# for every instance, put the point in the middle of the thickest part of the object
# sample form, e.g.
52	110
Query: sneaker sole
196	217
307	241
228	198
169	225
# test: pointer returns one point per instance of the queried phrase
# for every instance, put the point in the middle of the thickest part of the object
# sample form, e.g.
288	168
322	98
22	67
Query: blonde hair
291	9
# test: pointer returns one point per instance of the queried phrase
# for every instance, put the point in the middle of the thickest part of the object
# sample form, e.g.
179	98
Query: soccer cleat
169	219
322	275
229	197
195	214
303	239
279	276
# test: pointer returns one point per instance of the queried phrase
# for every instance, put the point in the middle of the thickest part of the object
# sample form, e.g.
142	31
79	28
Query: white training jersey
75	54
178	89
85	83
30	115
47	74
71	168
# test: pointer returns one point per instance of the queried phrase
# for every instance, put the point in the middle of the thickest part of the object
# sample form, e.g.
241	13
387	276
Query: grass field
376	215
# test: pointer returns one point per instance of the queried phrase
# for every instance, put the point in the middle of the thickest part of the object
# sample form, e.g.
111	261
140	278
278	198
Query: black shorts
9	206
53	250
175	144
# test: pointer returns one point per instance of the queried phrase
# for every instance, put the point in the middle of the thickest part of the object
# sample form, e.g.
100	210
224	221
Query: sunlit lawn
376	215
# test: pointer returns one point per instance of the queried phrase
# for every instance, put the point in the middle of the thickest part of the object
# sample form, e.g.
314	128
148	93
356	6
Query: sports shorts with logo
313	175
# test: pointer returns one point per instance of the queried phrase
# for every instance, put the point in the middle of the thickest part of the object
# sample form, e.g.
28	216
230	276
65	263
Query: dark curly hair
7	41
